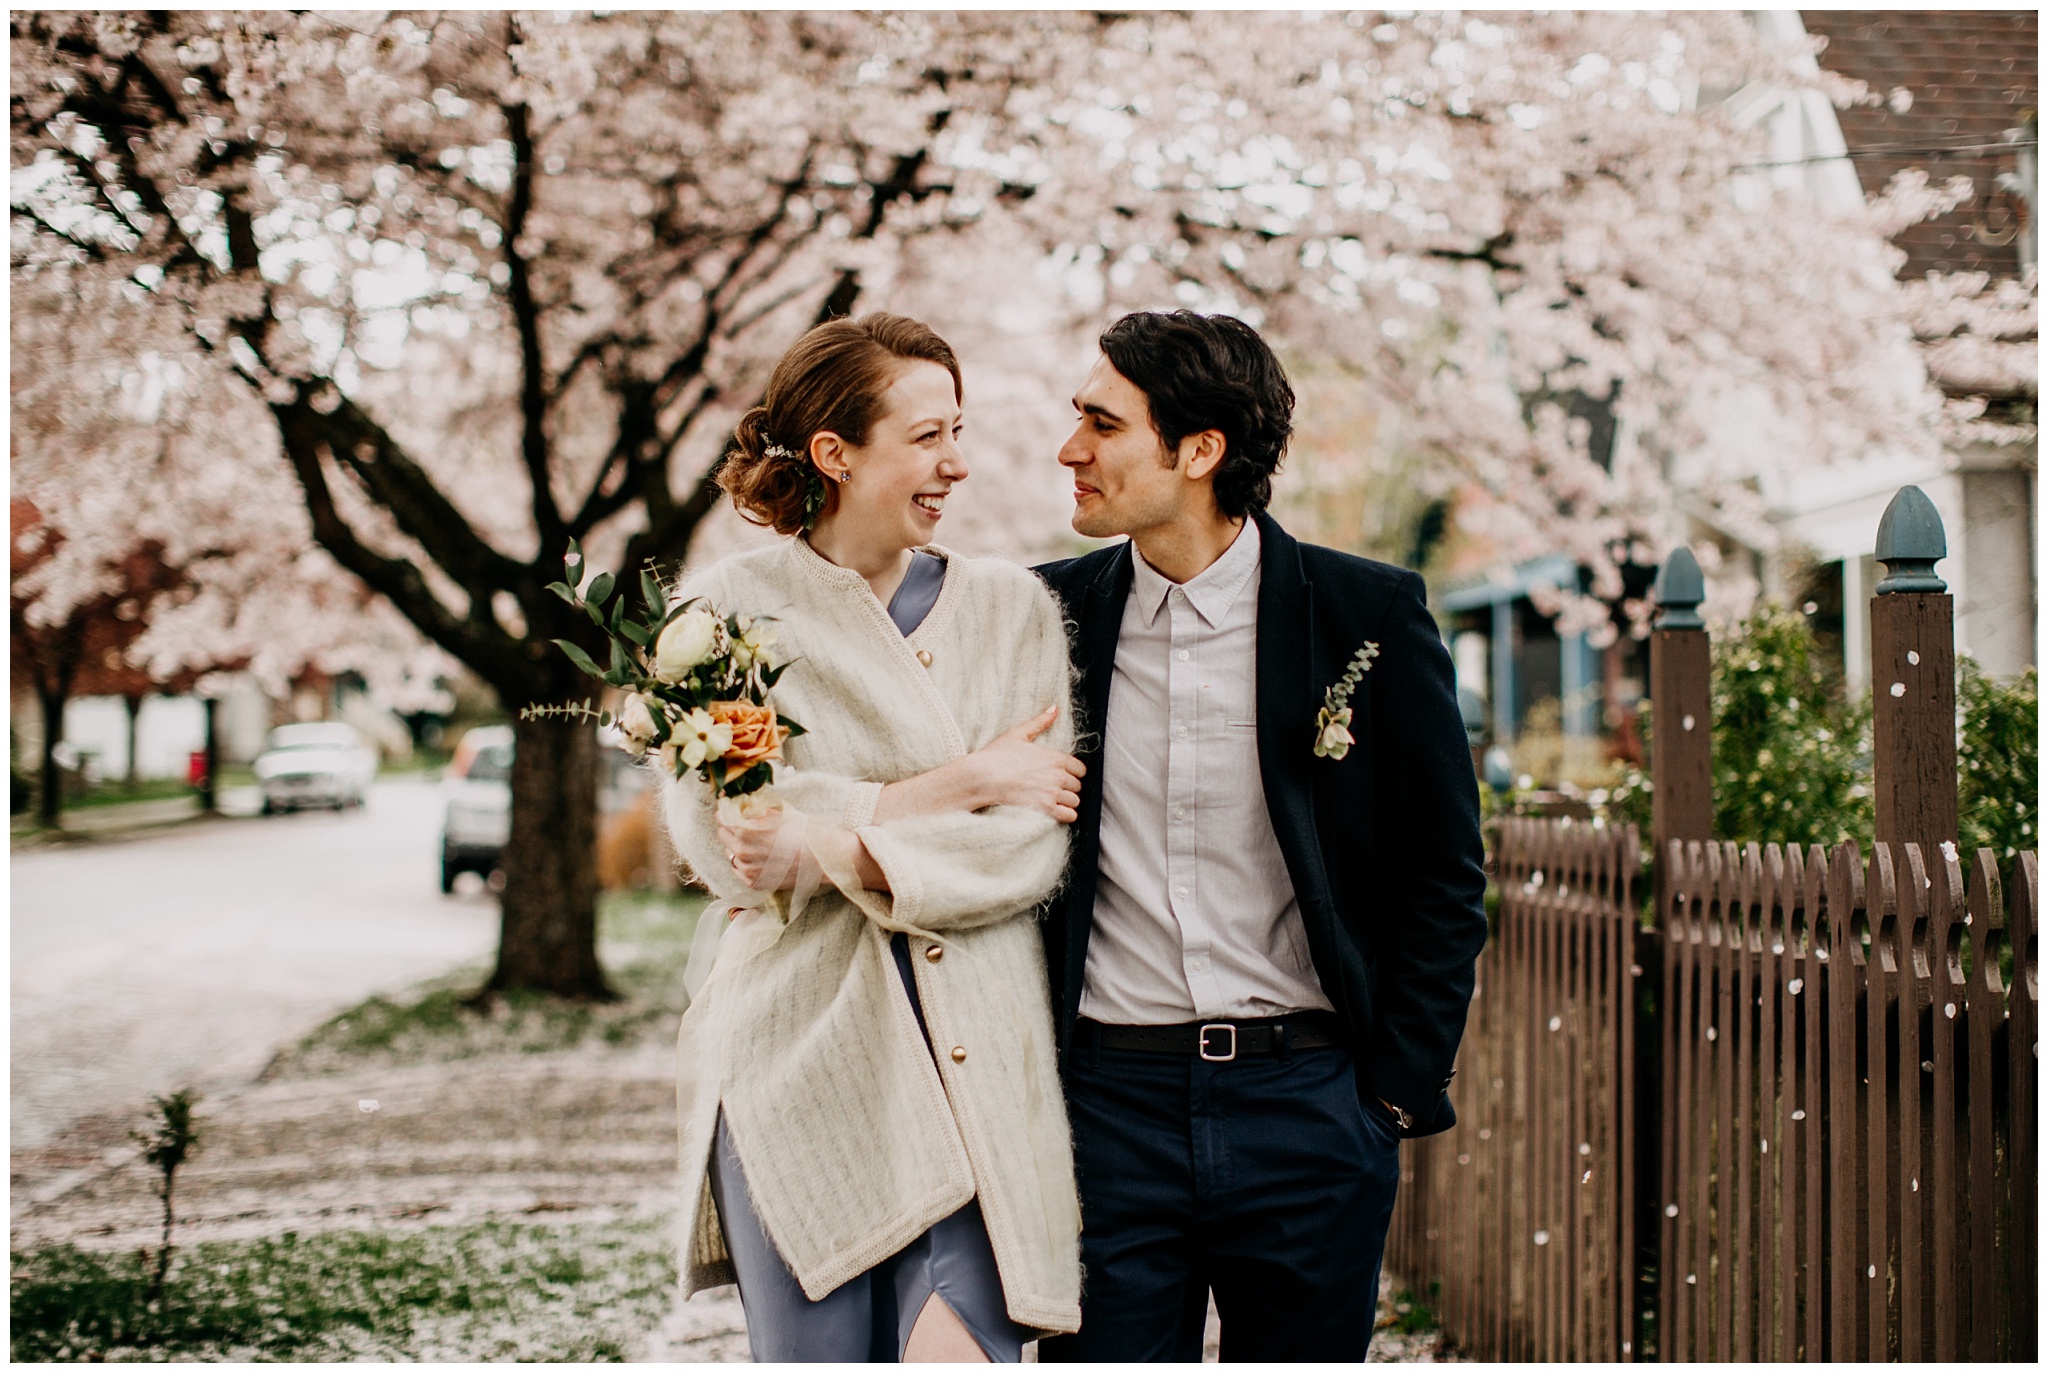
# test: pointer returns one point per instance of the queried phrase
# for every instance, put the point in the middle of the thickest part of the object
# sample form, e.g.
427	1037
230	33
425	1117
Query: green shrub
1997	760
1792	751
1791	748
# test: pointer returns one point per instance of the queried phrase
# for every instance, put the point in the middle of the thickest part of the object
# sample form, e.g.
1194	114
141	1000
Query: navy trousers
1264	1180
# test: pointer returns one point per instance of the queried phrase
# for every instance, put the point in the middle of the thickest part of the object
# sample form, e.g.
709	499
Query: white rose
684	644
636	723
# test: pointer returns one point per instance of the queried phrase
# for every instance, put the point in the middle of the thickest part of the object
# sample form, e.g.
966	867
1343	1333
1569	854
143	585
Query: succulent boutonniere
1333	721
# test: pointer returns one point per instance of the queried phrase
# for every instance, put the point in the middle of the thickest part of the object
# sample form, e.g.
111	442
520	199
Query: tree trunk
548	933
52	799
209	789
134	704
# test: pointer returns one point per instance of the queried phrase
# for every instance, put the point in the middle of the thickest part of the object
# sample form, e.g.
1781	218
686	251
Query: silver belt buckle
1202	1044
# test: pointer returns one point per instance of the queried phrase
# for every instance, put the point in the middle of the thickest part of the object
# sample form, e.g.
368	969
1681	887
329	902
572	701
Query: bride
874	1142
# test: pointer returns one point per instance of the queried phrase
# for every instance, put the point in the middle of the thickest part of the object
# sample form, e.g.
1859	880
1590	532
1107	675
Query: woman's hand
1010	770
750	845
763	859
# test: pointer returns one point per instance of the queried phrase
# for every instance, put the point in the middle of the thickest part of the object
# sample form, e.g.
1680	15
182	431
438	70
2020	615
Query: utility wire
1889	151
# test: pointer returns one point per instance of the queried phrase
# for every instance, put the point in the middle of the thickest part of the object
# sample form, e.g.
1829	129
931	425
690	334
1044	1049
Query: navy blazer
1383	846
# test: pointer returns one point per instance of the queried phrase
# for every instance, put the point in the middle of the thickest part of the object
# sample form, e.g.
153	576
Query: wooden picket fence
1741	1191
1521	1220
1789	1117
1848	1137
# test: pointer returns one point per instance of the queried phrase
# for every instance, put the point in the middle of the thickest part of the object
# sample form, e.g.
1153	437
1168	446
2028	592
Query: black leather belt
1220	1041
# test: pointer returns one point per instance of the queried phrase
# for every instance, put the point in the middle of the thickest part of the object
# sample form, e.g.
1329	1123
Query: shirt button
1178	813
959	1053
1183	893
1181	732
1185	655
924	657
934	954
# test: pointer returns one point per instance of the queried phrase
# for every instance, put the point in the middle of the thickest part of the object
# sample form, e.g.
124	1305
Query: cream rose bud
753	644
636	723
1333	738
684	644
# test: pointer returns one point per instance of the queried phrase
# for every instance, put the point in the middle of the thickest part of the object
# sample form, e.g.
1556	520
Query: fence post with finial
1681	810
1913	677
1681	731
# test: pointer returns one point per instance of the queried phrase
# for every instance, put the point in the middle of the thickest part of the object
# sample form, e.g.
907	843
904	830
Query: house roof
1946	79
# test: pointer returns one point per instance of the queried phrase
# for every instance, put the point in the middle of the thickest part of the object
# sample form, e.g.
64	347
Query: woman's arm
1011	770
957	869
946	861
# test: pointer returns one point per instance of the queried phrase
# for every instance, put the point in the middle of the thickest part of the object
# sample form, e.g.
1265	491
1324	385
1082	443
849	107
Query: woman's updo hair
832	379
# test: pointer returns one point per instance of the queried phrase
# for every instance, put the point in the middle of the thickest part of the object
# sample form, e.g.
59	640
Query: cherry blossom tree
81	649
135	450
498	282
1503	225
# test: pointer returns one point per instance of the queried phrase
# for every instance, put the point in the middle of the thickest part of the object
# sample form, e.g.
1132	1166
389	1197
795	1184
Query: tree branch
475	638
533	401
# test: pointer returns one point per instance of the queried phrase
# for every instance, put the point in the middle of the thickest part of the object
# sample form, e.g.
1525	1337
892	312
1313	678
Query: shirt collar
1212	591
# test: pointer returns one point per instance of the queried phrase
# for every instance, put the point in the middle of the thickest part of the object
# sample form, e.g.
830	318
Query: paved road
187	957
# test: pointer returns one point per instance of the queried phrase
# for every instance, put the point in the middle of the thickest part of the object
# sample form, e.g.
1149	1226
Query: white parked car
478	818
321	764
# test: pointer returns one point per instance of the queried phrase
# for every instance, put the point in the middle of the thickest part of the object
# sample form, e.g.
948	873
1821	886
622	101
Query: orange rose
756	737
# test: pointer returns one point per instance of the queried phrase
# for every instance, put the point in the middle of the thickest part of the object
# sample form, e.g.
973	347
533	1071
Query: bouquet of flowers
697	684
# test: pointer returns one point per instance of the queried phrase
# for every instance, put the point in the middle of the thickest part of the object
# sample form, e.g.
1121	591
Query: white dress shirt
1195	916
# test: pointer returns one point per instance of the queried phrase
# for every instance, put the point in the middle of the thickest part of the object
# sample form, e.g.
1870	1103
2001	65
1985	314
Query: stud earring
843	476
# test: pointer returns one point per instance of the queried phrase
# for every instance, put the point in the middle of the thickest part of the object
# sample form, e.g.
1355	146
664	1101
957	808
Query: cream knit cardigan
854	1141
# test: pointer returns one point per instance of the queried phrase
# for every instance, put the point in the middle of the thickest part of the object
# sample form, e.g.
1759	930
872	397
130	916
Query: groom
1261	961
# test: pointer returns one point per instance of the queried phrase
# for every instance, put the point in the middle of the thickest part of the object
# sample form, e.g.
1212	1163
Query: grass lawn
120	793
643	943
496	1291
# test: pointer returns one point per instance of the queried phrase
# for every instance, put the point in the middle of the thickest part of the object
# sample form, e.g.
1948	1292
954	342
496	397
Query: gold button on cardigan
854	1140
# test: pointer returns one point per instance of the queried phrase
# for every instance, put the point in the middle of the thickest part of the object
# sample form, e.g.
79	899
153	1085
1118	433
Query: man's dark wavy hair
1210	372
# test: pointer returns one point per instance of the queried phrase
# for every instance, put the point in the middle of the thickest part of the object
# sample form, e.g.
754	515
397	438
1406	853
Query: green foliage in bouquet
697	682
1997	760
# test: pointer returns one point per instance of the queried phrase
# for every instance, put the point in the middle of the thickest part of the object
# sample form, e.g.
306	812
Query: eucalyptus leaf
578	657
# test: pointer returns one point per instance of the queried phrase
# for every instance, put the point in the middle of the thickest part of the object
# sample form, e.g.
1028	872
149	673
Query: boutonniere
1333	721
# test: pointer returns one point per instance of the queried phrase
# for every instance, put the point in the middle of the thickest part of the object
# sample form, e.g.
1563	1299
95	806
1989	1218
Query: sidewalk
123	818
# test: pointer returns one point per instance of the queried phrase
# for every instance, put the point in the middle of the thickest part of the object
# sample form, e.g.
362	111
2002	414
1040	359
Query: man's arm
1431	864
